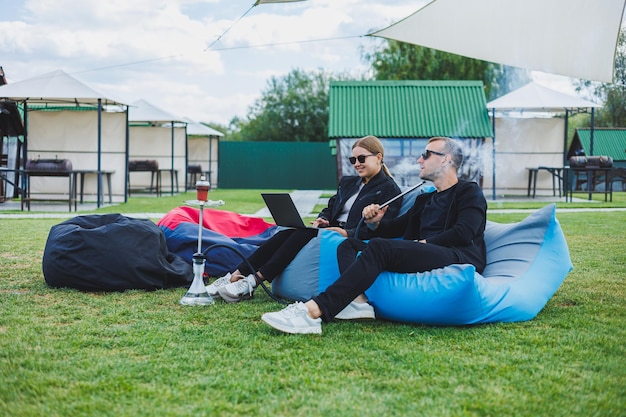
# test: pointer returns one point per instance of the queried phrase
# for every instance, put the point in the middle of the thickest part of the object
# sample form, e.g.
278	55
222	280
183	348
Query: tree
293	108
613	95
396	60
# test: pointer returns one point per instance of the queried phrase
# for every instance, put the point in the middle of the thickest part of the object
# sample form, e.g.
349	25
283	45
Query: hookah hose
385	204
268	292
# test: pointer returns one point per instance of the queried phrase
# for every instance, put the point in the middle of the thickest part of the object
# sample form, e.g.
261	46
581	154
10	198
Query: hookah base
194	299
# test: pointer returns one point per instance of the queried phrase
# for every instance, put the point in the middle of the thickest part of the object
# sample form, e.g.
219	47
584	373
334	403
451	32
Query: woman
343	214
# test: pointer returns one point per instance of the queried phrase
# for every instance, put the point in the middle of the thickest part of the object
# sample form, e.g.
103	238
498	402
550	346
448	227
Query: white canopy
54	87
199	129
533	96
575	38
142	111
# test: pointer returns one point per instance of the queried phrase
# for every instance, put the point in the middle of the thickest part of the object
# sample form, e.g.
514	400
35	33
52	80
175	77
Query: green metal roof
609	142
408	109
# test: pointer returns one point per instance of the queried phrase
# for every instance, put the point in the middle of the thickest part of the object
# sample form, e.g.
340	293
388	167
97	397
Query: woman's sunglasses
426	154
360	158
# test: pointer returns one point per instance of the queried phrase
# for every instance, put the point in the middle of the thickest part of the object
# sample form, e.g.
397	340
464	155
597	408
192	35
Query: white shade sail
575	38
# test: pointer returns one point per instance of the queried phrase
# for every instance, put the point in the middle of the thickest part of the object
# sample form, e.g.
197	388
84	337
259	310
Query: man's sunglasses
360	158
426	154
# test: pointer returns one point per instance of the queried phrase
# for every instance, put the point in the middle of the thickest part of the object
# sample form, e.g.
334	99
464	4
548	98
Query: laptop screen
283	210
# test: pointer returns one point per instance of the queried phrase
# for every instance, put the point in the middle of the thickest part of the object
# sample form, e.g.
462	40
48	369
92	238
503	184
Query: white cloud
157	49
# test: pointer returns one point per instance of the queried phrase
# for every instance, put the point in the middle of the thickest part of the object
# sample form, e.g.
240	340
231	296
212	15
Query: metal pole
99	175
210	162
593	113
172	172
186	158
565	138
493	154
127	156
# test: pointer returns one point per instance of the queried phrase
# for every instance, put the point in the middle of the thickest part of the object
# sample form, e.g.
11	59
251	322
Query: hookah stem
200	228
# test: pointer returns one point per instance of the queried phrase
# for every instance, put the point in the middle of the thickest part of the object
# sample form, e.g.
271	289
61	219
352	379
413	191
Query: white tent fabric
575	38
72	135
143	111
533	96
202	148
199	129
56	86
523	143
155	143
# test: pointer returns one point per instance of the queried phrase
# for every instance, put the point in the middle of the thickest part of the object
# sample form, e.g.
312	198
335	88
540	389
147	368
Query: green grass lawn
69	353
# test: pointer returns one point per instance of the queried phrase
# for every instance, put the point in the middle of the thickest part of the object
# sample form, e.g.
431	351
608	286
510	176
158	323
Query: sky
206	60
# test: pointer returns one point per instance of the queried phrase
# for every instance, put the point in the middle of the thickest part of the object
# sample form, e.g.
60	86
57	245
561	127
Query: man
442	228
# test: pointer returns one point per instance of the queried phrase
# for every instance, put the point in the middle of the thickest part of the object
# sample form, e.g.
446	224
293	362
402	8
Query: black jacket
464	225
378	190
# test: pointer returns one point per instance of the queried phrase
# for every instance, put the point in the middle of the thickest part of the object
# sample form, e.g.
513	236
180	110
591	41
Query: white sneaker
239	290
293	319
356	311
213	288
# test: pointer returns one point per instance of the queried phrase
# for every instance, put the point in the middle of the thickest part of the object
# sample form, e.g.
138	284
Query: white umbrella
575	38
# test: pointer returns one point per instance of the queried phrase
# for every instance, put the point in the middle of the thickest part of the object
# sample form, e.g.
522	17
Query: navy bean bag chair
111	252
526	264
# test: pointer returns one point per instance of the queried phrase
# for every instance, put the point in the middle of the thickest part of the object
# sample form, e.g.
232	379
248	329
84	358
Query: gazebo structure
65	119
157	145
530	132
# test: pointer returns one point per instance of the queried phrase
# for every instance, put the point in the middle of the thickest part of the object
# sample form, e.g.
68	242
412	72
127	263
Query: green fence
280	165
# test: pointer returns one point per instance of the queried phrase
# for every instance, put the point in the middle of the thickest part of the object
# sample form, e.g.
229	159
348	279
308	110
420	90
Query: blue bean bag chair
526	264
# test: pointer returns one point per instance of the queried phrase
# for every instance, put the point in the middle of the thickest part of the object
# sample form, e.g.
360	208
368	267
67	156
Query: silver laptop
283	210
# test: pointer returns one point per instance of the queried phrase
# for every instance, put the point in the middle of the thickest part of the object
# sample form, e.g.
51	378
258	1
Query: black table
26	192
83	172
173	180
72	176
557	178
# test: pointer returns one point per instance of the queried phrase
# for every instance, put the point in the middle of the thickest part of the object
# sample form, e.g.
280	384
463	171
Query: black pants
378	255
273	256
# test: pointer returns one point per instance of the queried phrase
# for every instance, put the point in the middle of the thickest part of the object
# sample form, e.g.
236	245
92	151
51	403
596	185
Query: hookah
197	293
